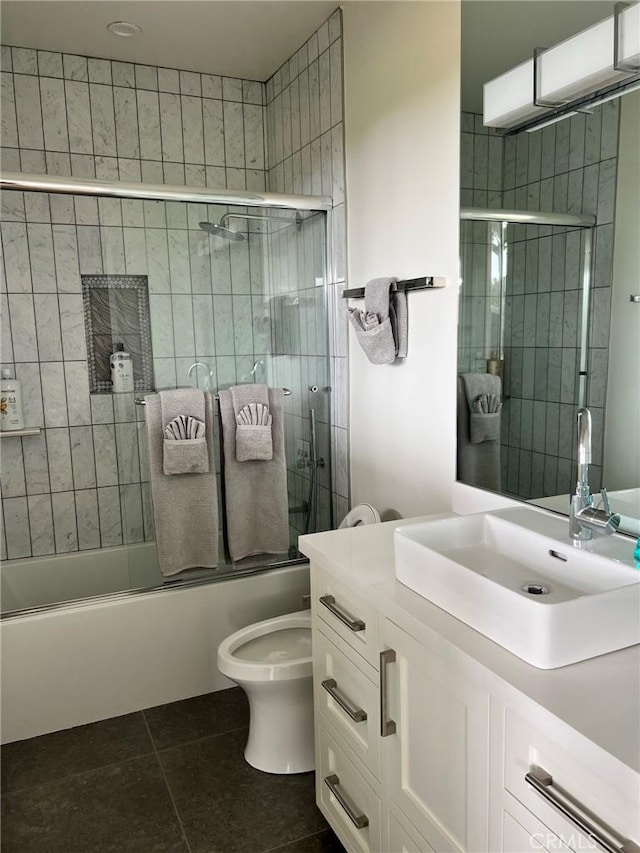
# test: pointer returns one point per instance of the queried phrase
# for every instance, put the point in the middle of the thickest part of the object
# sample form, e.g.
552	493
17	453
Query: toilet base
281	726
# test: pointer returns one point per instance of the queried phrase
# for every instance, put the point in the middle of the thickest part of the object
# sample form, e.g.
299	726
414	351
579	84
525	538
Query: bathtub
122	649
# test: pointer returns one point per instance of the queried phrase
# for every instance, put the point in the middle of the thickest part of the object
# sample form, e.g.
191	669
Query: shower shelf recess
20	432
429	282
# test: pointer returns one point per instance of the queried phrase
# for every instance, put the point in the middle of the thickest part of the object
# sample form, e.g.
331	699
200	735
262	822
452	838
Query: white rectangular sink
516	577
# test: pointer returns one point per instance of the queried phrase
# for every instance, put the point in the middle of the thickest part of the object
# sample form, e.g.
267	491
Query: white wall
402	114
622	422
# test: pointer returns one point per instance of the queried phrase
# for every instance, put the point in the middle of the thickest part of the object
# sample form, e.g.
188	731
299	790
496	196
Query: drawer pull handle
387	727
542	782
352	624
358	819
358	715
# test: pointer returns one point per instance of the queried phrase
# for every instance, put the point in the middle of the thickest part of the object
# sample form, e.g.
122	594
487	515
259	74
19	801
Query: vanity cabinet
419	749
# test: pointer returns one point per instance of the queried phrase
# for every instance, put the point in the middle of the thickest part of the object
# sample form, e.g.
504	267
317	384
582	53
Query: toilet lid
361	514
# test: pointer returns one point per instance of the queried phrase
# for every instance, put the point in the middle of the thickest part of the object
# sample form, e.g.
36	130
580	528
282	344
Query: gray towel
190	456
478	464
483	392
382	327
253	440
185	506
257	507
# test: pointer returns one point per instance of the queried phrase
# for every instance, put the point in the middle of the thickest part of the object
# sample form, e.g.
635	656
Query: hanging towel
381	328
253	438
185	506
256	503
484	398
477	464
180	410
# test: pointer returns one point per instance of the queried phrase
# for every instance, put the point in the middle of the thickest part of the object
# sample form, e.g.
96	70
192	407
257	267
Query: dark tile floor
171	778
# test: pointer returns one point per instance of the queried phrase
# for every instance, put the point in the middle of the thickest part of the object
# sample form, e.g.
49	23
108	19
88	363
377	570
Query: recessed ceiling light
123	28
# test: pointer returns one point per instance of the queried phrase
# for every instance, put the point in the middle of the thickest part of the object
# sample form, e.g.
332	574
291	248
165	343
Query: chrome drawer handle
387	727
542	782
358	715
352	624
358	819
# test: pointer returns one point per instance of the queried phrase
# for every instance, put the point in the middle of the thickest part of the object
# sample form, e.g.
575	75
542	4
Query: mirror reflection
550	264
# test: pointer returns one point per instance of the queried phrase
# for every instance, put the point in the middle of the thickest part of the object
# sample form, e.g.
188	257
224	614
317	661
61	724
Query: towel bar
140	402
425	283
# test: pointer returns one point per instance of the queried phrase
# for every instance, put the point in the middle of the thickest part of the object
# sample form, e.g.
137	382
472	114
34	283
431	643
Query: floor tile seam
293	841
168	786
76	774
164	749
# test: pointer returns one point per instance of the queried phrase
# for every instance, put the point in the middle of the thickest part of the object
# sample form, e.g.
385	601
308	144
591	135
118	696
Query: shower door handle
387	726
352	624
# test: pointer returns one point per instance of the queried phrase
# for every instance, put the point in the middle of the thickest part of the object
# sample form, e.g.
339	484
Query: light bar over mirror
600	62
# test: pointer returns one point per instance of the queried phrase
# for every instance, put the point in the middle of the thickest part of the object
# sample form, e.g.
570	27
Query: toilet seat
269	664
359	515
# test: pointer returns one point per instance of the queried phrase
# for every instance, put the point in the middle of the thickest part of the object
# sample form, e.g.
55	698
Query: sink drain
535	589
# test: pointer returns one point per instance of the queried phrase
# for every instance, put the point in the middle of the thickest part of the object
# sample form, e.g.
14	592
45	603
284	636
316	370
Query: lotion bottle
121	370
10	403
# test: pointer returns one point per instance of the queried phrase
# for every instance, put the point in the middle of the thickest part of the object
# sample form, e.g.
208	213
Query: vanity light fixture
601	62
124	29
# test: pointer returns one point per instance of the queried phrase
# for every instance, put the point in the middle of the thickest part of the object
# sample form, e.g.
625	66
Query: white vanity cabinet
420	749
415	730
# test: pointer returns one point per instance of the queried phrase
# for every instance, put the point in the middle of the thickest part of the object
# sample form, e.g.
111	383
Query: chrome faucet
585	518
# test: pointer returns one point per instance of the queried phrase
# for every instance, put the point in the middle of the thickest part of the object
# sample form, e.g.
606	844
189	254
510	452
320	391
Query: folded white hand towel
254	414
184	428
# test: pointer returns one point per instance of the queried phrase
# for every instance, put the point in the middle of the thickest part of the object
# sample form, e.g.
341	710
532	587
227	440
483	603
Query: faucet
584	517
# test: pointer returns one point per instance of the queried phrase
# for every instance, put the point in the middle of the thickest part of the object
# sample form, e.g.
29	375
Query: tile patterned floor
171	779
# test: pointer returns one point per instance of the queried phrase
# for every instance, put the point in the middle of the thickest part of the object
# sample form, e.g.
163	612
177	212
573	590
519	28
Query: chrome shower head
221	231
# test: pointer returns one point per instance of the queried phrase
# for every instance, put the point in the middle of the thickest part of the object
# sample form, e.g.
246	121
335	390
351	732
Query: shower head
221	231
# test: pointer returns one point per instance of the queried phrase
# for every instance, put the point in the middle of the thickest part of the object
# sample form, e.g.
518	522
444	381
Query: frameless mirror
548	321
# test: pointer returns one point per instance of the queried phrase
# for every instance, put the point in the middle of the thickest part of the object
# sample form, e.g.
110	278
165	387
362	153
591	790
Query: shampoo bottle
121	365
10	403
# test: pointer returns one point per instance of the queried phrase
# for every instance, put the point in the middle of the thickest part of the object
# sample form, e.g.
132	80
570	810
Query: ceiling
235	38
498	34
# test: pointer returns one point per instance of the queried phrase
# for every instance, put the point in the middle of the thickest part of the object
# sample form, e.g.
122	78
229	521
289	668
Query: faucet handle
605	500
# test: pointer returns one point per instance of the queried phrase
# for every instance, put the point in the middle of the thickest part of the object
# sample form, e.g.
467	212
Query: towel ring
140	402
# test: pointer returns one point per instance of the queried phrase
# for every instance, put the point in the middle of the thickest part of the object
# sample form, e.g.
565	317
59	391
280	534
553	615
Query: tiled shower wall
305	154
569	167
83	482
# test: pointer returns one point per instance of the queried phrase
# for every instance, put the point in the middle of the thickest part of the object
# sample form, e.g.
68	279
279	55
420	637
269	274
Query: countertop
599	698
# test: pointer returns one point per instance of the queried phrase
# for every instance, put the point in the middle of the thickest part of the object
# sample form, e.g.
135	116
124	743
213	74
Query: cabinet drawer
527	835
345	613
404	838
347	698
346	800
562	781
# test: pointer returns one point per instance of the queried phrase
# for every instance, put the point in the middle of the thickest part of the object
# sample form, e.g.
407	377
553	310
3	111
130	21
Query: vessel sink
515	576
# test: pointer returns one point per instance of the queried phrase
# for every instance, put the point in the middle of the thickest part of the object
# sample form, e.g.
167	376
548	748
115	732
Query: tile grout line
166	782
296	840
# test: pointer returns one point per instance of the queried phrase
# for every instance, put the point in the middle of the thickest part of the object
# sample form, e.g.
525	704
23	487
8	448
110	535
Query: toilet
271	661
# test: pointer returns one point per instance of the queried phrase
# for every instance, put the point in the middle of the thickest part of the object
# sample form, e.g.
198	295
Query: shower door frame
23	182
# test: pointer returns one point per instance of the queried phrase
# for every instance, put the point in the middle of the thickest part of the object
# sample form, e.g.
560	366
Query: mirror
547	319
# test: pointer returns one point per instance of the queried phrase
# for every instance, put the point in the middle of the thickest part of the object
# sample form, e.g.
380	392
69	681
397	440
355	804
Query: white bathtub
87	661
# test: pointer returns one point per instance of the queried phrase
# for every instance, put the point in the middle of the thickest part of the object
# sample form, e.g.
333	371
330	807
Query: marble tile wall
305	153
567	167
96	118
83	483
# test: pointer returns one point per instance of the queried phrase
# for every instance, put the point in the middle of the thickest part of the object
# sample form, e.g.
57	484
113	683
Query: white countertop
600	697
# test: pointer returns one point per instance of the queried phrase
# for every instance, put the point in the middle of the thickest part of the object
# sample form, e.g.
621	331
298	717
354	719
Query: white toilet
271	661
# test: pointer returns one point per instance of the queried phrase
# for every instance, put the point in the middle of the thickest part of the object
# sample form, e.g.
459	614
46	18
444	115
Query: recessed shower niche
116	310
